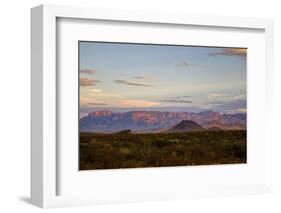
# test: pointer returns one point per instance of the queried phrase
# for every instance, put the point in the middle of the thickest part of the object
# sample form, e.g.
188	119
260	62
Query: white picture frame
44	148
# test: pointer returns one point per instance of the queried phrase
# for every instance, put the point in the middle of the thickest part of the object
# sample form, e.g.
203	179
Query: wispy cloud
238	97
230	52
186	64
97	104
114	100
142	77
183	96
85	82
184	99
176	101
137	103
100	94
85	101
96	90
88	71
214	102
241	110
217	95
232	106
226	96
131	83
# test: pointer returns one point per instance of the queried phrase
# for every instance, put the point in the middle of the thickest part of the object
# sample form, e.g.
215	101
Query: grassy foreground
126	150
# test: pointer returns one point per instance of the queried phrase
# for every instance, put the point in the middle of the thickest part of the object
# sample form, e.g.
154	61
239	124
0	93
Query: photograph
161	105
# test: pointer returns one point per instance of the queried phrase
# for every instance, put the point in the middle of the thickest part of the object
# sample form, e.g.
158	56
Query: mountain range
156	121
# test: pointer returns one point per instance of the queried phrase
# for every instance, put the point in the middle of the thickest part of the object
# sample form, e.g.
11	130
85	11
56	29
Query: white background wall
15	103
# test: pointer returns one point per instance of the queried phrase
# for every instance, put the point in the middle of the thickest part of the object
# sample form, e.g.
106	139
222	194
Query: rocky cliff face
153	121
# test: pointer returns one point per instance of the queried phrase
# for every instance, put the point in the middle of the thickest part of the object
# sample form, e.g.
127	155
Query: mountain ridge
155	121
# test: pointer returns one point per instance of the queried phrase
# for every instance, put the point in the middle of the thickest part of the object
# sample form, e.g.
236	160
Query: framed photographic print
157	108
130	106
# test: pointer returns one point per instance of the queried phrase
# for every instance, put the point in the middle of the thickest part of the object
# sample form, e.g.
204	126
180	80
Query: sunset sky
115	75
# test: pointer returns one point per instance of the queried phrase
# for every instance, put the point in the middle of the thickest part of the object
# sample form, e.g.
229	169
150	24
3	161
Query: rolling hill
186	126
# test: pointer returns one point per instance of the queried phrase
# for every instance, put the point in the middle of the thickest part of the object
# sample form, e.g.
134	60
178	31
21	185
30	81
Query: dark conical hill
186	126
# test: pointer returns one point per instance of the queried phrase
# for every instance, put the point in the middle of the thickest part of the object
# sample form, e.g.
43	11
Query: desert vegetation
129	150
